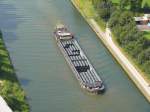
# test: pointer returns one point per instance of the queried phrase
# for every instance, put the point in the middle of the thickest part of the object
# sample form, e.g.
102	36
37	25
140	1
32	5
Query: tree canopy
121	22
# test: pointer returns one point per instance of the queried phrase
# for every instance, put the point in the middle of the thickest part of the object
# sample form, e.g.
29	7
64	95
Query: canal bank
42	70
106	38
10	88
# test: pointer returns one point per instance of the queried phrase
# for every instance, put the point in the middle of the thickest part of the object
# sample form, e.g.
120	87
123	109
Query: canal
27	26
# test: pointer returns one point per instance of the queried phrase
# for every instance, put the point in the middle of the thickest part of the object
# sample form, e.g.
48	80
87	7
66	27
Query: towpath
122	59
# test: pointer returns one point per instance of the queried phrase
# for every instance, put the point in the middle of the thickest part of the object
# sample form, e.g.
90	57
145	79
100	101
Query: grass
10	89
147	34
101	23
87	7
146	2
115	1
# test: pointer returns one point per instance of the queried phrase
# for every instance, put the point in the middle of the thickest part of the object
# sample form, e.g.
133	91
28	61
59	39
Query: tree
136	5
146	66
144	56
124	4
105	9
133	5
113	21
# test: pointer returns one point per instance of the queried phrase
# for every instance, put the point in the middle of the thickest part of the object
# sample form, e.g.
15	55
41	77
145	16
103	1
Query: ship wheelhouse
62	33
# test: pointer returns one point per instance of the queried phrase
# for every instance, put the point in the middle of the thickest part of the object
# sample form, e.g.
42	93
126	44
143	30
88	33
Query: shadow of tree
10	87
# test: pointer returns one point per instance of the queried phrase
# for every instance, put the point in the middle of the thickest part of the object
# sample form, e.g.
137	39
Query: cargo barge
78	62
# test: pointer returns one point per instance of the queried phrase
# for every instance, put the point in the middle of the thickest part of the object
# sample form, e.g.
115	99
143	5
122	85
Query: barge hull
78	62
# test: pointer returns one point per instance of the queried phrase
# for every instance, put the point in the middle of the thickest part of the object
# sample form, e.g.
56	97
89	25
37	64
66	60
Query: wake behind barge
78	62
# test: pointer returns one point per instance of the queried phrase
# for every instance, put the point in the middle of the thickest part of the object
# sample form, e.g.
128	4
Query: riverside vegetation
10	89
119	18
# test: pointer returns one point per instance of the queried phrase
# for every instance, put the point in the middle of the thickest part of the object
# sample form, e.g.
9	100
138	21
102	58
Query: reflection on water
43	72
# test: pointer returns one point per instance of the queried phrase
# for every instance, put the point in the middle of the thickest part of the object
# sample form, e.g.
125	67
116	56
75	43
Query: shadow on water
24	81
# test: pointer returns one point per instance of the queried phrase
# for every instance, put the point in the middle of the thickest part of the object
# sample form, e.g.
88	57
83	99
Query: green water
42	70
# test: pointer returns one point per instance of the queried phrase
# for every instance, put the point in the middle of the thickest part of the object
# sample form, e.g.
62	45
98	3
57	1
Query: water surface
42	70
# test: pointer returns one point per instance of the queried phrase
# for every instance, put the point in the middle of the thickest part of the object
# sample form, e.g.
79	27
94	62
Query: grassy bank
131	71
10	89
139	67
89	12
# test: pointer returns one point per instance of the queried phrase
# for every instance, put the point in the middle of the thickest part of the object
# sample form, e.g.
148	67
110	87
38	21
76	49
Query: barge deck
77	60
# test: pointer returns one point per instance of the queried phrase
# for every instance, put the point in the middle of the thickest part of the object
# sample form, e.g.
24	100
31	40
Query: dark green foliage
133	5
124	4
144	59
123	27
146	66
132	40
136	5
14	96
104	7
144	56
